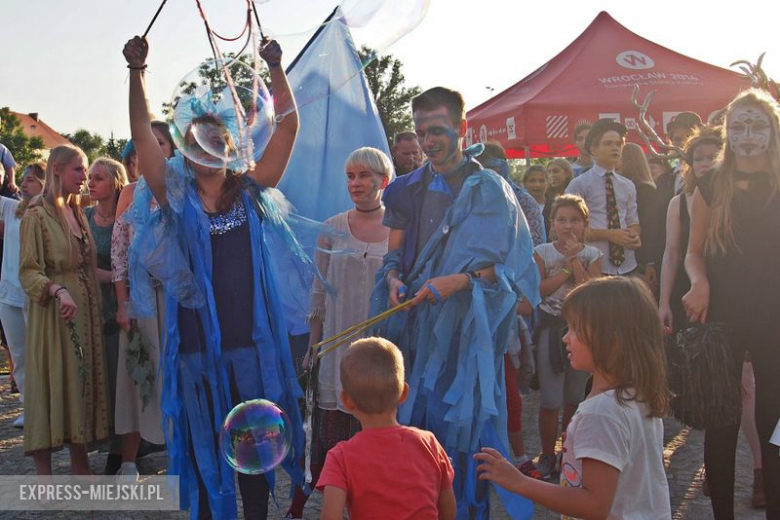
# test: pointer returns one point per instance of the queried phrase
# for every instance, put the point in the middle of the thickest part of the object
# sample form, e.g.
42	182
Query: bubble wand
355	330
154	19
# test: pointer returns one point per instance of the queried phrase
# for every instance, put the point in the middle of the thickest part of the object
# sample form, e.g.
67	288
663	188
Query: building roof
33	126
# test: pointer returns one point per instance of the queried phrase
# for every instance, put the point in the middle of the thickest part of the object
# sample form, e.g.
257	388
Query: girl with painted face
349	254
12	297
226	331
66	381
732	263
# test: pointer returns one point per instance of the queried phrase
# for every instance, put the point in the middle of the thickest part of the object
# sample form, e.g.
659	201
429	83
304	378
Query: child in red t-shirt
386	470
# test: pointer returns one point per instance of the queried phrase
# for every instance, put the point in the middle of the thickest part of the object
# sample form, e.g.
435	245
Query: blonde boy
387	470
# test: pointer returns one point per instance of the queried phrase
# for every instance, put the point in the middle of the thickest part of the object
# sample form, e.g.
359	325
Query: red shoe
528	468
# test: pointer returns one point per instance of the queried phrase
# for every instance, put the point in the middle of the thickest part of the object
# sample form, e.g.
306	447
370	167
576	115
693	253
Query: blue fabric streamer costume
174	244
454	351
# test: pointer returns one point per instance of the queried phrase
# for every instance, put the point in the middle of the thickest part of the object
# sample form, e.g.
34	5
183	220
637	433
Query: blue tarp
333	125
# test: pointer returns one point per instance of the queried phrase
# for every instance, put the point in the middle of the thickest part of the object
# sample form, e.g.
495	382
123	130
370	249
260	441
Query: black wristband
142	67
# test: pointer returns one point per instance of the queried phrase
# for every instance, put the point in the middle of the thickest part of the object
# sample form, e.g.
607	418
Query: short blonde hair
372	158
372	374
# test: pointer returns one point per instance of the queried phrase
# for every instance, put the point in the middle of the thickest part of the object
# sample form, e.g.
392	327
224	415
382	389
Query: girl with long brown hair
732	263
613	452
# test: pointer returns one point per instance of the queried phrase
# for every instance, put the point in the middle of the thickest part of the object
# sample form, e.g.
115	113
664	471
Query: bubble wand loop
154	19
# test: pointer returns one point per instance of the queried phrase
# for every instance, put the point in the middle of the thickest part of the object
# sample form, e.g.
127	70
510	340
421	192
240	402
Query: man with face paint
732	263
407	154
460	247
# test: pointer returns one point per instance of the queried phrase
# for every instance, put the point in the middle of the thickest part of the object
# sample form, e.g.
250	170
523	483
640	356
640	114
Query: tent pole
528	156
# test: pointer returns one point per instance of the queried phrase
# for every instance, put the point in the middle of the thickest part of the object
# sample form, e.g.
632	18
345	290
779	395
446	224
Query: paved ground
683	457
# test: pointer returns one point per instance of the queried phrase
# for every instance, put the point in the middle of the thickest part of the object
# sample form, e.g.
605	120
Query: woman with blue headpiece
210	246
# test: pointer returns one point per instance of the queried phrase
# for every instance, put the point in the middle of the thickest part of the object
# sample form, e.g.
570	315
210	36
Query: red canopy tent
593	78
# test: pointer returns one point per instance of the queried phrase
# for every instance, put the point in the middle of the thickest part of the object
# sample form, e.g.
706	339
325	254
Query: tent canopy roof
593	78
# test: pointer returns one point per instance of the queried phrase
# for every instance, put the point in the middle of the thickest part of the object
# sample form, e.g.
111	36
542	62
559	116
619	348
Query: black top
650	221
745	281
682	284
232	283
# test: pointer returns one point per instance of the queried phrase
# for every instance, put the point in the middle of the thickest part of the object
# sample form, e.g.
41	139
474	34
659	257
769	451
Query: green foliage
24	149
114	147
91	144
393	100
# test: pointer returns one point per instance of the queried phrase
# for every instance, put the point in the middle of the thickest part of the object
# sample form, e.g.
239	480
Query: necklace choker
368	210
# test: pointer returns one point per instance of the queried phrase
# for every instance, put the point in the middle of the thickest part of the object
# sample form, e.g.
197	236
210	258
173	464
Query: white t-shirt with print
624	437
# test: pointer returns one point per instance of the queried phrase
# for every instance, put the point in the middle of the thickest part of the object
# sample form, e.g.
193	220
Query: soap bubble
256	437
373	26
218	126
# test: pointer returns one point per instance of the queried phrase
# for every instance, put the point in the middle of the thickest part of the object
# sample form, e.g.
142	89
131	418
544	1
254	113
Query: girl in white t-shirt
613	452
563	264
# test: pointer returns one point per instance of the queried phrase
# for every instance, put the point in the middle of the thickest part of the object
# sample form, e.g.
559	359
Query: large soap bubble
222	120
372	25
256	437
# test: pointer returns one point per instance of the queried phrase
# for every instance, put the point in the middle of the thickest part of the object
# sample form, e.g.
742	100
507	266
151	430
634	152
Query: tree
91	144
24	149
114	147
392	98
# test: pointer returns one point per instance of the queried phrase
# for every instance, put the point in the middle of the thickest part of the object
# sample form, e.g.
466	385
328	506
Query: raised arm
269	169
150	157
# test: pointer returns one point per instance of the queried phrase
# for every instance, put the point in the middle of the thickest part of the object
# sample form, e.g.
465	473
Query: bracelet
566	271
142	67
58	291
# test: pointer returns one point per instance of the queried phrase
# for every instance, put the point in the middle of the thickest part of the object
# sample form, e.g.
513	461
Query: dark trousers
720	444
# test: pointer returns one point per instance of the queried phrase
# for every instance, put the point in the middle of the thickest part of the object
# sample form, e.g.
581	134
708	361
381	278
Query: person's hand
626	238
122	318
271	52
136	50
697	301
397	291
665	312
307	358
67	306
651	277
495	468
437	290
571	246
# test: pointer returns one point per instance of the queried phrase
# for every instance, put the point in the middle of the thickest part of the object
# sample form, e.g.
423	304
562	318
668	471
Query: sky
63	59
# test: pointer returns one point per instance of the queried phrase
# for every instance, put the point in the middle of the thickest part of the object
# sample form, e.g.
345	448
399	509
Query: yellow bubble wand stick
355	330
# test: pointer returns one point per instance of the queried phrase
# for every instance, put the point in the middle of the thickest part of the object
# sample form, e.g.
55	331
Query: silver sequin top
221	223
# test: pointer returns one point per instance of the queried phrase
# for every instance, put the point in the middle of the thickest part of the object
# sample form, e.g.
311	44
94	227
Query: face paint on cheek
749	132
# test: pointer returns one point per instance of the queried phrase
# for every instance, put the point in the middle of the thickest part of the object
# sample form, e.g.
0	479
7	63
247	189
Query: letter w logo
633	59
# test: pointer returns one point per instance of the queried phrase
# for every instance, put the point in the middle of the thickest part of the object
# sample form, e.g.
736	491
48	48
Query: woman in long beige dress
67	387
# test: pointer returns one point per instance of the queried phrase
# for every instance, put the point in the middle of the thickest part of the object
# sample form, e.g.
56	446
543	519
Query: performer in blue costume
460	246
210	244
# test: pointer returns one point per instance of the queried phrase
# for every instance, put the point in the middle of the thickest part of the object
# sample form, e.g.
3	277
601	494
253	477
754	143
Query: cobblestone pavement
683	457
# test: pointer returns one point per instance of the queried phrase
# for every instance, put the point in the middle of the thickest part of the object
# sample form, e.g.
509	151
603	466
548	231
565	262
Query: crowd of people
140	315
